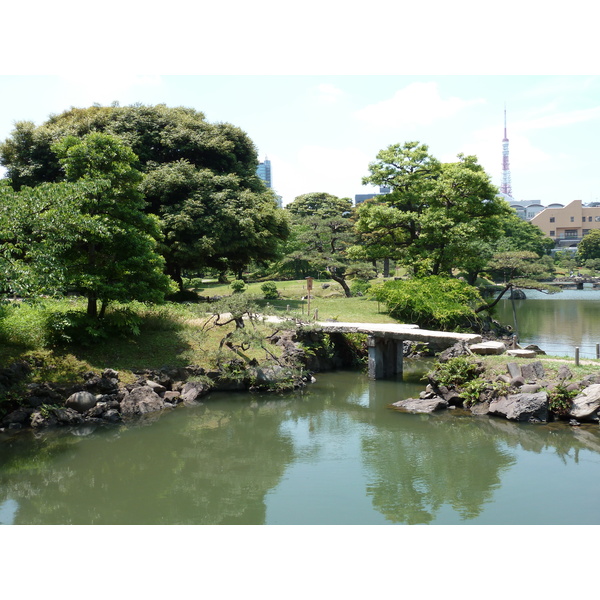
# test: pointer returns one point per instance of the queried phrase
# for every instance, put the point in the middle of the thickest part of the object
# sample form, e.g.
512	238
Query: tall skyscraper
506	185
264	171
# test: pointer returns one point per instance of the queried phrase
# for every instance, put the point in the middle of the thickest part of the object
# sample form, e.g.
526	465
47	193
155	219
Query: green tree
112	251
436	216
589	247
324	230
437	302
193	166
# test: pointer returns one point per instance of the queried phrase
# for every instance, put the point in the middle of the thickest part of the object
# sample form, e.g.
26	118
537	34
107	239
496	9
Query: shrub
435	302
238	286
456	372
269	289
359	287
560	400
76	328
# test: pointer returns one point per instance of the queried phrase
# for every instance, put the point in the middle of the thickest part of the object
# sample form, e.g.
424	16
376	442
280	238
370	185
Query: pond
332	454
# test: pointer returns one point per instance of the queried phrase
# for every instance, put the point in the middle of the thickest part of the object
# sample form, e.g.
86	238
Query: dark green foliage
560	400
455	372
238	286
589	247
269	290
434	302
73	328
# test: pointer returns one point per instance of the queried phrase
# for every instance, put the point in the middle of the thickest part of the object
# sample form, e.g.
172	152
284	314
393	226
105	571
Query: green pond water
331	454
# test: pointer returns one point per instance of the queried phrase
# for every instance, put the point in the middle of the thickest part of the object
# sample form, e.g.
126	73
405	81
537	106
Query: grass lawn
170	335
330	302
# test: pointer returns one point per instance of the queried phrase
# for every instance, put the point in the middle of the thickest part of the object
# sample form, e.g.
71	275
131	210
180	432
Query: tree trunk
174	272
343	283
103	307
92	306
488	306
386	267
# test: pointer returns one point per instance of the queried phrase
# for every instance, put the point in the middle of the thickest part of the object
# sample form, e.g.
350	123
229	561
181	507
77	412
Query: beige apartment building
568	224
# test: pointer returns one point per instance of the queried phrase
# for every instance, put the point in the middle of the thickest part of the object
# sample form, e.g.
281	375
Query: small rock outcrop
522	407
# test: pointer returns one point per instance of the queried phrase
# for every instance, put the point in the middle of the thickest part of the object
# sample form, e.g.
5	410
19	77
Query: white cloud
106	88
416	104
328	93
320	169
560	119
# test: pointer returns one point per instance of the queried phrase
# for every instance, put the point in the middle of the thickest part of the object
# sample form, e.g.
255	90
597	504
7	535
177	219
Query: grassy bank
170	334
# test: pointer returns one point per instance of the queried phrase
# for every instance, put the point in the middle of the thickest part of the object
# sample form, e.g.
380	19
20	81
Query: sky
320	132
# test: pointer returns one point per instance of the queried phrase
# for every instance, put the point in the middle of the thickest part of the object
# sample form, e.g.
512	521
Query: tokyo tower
505	187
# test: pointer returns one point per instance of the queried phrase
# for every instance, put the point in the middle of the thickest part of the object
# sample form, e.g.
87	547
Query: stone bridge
385	342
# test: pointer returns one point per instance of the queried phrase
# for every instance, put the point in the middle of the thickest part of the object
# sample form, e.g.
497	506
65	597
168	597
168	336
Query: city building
566	225
526	209
264	171
360	198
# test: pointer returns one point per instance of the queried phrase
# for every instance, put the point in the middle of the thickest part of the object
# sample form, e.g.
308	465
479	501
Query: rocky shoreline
102	399
525	393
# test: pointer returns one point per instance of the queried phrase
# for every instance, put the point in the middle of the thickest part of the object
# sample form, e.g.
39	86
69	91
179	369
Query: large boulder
140	401
586	404
56	417
421	405
81	401
488	348
522	407
194	390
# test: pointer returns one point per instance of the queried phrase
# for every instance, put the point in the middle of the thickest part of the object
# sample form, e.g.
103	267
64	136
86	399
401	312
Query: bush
269	289
76	328
434	302
359	287
238	286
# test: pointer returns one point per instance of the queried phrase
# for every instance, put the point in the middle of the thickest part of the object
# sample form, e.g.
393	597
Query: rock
458	349
488	348
530	388
416	405
517	294
112	416
110	374
535	348
522	353
173	397
56	417
193	390
522	407
157	387
21	416
140	401
514	370
480	408
585	405
564	373
517	381
81	401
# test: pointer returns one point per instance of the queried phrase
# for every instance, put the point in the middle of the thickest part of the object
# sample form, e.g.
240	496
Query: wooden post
576	356
309	285
316	314
597	350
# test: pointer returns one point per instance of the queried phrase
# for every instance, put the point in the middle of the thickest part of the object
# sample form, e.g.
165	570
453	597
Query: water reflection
333	454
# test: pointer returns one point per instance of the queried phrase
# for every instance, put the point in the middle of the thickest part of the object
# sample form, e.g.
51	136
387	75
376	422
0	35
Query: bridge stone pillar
385	357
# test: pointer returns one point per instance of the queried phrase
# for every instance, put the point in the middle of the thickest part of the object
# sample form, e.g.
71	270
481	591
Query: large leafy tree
193	166
437	214
112	252
589	247
324	228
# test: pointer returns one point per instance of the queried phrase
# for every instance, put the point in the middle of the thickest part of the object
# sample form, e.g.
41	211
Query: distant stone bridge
385	342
